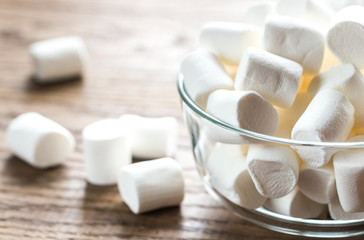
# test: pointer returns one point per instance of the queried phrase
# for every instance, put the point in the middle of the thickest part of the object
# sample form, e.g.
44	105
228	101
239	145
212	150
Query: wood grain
135	50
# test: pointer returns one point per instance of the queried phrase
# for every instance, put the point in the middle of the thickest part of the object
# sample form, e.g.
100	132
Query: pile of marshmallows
296	69
109	144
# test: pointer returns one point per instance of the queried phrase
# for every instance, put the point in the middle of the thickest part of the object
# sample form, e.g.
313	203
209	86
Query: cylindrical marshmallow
289	116
296	40
58	59
203	73
151	137
276	78
347	79
328	118
309	10
39	141
256	13
244	109
337	212
229	40
230	177
345	39
150	185
349	173
318	184
295	204
106	146
273	168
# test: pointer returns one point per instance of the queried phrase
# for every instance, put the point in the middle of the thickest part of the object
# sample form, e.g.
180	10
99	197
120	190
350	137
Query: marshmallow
339	4
295	204
311	11
203	73
347	79
229	176
151	137
244	109
338	213
275	78
296	40
289	116
328	118
273	168
256	13
345	39
58	59
150	185
229	40
349	172
107	148
39	141
318	184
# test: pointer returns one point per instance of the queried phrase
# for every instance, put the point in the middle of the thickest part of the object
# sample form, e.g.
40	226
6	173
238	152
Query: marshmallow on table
273	168
349	173
107	148
345	78
275	78
318	184
296	40
328	118
230	177
289	116
345	39
295	204
309	10
203	73
337	212
150	185
151	137
58	59
39	141
256	13
243	109
228	40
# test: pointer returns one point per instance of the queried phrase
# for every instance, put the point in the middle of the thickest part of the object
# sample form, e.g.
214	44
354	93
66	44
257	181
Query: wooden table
135	51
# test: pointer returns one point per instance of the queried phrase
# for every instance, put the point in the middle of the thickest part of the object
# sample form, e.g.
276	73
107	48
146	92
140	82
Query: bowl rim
202	113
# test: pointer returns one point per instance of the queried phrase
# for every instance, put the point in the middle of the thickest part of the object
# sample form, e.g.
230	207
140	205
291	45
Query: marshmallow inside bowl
317	225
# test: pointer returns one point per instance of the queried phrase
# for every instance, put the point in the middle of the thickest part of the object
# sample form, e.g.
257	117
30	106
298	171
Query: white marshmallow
273	168
107	148
244	109
349	172
296	40
289	116
318	184
345	39
229	176
151	137
229	40
150	185
39	141
256	13
311	11
328	118
338	213
339	4
295	204
203	73
275	78
58	59
347	79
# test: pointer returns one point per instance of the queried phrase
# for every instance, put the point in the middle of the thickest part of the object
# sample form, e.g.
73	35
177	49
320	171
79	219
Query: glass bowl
197	119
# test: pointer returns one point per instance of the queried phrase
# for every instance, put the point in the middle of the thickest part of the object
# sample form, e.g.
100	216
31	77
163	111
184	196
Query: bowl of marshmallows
274	105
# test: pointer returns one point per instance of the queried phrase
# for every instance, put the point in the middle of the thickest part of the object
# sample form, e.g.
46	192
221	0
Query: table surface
135	50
